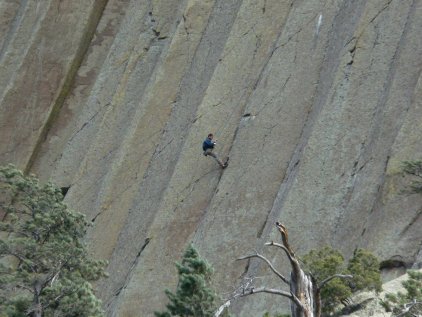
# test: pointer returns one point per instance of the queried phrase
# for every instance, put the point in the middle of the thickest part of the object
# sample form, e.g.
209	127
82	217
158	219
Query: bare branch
54	273
289	295
408	307
257	255
54	278
235	294
332	277
272	243
293	261
285	238
267	290
222	307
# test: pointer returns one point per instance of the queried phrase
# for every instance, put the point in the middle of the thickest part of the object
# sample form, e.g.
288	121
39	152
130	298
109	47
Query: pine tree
45	269
408	304
318	282
194	295
325	262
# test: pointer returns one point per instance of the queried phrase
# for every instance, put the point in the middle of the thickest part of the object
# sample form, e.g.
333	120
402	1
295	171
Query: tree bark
305	292
302	285
36	310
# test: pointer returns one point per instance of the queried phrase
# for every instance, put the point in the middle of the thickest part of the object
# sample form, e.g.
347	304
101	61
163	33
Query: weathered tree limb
301	284
332	277
304	293
285	238
222	307
272	243
235	294
408	307
253	290
289	295
257	255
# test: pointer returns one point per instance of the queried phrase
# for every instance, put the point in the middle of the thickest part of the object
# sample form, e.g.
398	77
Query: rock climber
208	147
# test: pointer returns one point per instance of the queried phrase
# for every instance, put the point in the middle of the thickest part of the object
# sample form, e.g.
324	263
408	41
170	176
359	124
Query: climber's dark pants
214	155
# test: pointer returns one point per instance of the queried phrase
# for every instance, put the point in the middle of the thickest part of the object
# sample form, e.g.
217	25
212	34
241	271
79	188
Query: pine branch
321	285
21	259
25	287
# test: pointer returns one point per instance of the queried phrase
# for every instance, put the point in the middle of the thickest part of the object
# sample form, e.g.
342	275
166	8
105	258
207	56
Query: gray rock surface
316	102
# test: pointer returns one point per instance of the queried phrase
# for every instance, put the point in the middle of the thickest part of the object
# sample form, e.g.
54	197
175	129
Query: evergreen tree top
49	269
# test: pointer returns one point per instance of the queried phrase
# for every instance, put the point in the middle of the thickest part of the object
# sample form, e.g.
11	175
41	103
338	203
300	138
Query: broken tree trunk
305	292
302	285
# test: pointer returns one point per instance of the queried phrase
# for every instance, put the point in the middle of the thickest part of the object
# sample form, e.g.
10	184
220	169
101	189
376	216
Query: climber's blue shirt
208	144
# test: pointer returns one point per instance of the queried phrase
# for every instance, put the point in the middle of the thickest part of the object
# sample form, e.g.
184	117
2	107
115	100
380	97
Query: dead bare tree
304	292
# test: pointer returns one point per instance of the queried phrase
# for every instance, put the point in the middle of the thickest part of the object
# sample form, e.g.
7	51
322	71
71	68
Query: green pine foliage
322	264
45	269
194	295
406	304
327	262
364	267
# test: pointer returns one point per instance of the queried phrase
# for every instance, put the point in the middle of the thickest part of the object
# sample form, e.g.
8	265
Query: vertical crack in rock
94	18
343	27
191	92
14	62
381	11
379	123
245	98
162	49
95	217
411	223
109	305
261	230
264	68
352	180
13	27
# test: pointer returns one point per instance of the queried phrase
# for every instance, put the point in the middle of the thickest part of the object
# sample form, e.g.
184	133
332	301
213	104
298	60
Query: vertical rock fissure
153	185
129	274
93	20
241	113
345	23
376	132
385	94
19	59
13	27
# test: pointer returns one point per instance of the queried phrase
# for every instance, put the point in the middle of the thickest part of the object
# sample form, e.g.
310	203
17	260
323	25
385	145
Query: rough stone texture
316	102
42	48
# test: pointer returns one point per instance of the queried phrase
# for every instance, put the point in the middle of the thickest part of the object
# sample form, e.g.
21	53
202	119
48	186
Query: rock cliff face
316	102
